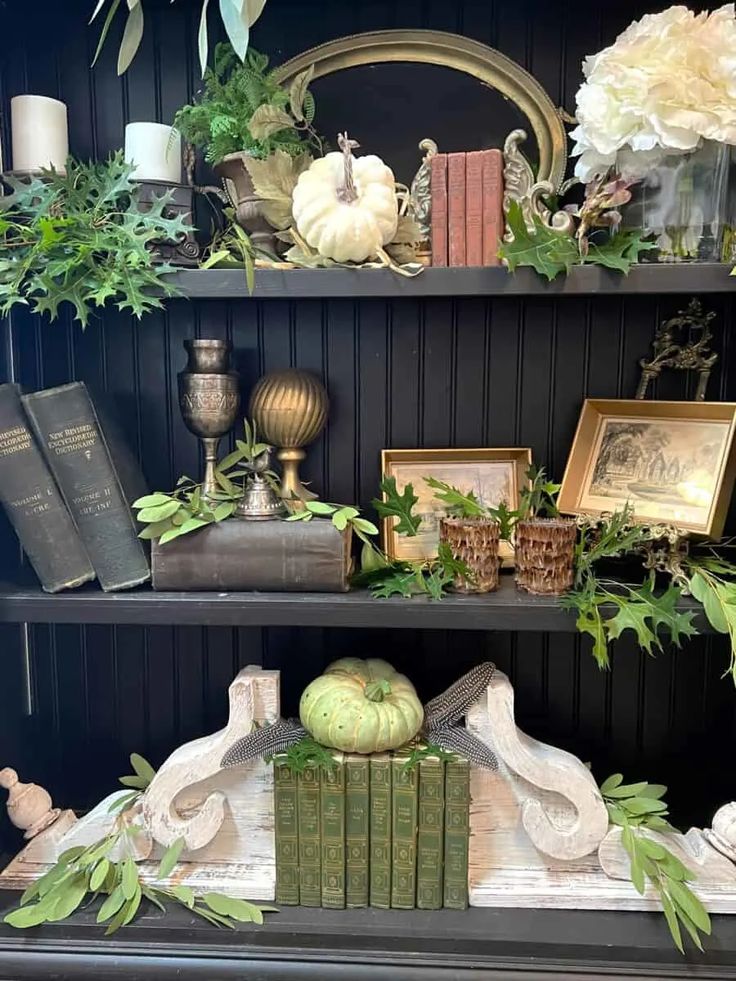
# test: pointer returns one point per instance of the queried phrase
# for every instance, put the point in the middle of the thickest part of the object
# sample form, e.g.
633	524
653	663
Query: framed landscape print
671	461
493	475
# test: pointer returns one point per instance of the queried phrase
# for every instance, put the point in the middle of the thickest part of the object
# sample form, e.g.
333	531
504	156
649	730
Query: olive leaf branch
90	870
637	808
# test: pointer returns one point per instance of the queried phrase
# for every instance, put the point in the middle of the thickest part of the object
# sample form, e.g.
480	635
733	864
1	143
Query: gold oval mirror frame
450	51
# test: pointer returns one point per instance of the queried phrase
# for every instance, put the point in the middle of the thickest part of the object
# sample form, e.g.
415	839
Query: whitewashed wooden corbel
191	764
539	815
226	817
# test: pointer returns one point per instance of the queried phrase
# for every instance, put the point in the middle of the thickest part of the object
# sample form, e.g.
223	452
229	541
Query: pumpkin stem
376	690
347	192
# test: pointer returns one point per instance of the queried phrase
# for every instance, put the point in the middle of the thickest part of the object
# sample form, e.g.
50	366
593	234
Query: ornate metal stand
677	345
184	250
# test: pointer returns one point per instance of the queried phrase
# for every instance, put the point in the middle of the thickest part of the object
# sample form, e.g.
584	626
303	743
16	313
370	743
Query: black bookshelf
300	944
646	278
506	609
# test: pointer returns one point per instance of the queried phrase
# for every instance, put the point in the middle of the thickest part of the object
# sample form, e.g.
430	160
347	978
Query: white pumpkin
346	207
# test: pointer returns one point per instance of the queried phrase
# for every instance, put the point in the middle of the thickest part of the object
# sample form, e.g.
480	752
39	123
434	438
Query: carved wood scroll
254	695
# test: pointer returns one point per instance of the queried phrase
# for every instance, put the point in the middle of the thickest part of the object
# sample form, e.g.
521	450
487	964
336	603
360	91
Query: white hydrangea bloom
667	83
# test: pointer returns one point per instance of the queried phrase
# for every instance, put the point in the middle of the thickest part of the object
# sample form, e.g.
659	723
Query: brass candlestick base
292	489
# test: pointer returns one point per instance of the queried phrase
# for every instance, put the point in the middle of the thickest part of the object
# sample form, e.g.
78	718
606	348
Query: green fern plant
243	107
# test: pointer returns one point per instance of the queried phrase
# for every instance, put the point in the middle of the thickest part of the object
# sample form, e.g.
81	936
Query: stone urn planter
475	542
245	202
544	555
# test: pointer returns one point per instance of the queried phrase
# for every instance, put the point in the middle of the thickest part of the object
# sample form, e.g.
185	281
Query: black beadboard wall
440	372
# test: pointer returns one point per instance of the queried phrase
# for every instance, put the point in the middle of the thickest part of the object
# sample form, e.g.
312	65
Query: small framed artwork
493	475
673	462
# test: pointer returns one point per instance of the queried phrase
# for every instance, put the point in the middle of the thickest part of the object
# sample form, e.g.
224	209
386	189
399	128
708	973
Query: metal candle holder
209	399
290	409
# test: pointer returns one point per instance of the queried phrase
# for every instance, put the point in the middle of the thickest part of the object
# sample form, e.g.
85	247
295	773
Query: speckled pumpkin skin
334	708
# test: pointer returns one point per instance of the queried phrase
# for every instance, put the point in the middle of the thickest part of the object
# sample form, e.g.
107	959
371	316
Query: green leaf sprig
605	609
91	871
552	252
538	497
183	510
187	509
307	752
83	238
342	516
712	582
432	578
637	808
426	752
398	505
232	248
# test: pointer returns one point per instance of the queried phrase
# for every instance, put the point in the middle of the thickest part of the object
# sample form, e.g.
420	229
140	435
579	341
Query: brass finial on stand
290	409
29	806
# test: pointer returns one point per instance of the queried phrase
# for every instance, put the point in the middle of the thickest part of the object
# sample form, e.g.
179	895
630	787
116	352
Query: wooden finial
29	806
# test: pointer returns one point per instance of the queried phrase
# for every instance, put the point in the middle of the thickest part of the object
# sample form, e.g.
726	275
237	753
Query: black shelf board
590	280
300	944
506	609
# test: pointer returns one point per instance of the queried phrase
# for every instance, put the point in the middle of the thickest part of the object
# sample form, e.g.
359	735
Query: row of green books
373	831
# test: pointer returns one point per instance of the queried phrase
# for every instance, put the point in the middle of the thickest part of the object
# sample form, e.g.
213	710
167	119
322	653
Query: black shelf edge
300	944
506	609
496	281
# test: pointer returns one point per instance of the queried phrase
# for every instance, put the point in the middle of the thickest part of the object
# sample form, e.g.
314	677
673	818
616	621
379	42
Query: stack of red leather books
467	208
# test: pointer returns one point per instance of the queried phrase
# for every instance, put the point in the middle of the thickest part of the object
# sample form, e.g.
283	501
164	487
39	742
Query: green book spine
380	831
430	833
457	833
310	837
404	834
287	833
333	835
357	816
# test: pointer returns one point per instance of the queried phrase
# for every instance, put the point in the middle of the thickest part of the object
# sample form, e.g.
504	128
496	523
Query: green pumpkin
361	707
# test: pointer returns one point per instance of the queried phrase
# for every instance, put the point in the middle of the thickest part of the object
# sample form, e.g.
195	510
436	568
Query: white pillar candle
40	133
155	150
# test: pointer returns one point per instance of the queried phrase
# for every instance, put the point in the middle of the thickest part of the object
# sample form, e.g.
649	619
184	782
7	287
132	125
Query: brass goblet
209	399
290	409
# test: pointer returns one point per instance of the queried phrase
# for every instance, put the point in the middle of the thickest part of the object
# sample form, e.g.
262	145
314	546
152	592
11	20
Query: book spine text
457	832
438	190
404	834
456	208
430	834
357	817
333	835
474	208
287	833
310	837
493	218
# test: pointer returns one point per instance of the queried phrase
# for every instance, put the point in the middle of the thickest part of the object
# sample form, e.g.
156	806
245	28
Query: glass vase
687	204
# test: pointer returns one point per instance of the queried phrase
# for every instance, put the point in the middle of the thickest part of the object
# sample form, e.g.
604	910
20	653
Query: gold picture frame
450	51
674	462
493	474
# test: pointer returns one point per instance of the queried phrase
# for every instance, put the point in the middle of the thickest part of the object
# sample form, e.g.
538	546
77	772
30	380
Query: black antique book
98	479
301	556
34	505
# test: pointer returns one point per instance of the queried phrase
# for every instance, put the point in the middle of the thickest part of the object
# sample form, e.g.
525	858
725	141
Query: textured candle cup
40	133
155	150
545	552
473	541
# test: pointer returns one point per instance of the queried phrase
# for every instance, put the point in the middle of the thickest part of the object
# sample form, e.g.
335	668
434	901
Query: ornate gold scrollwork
521	187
